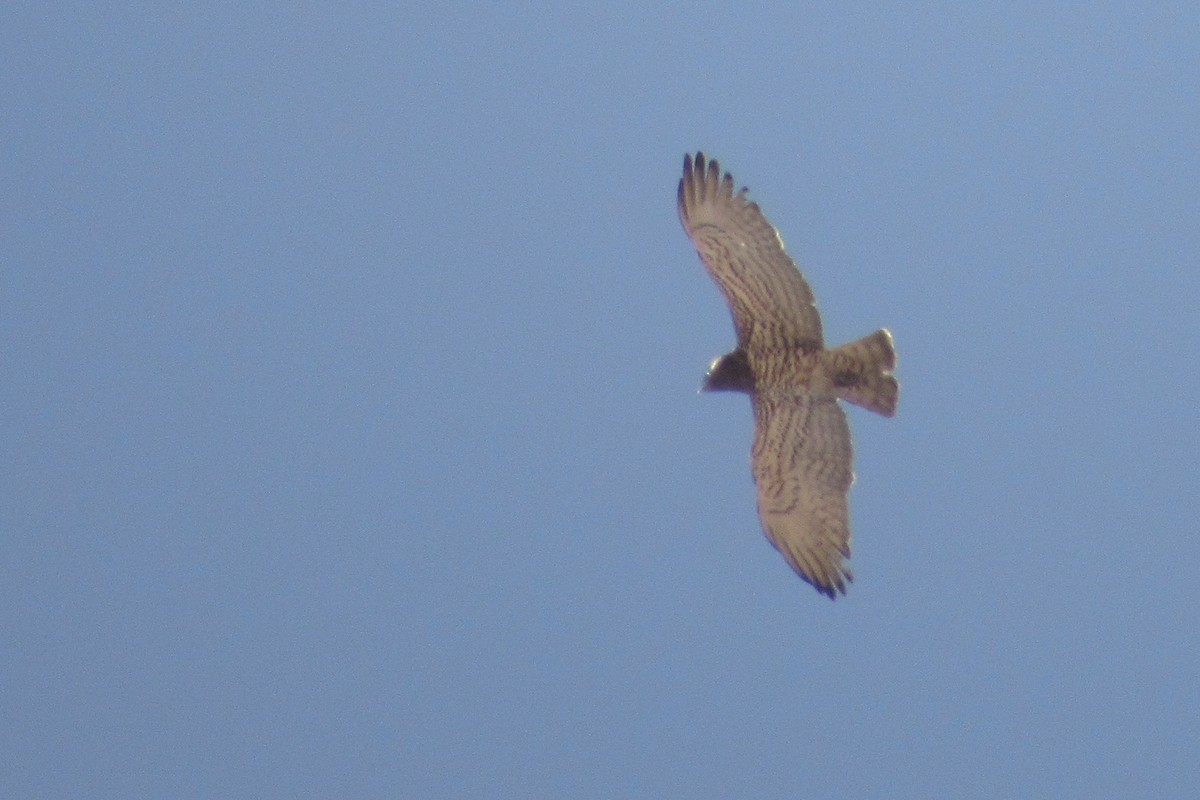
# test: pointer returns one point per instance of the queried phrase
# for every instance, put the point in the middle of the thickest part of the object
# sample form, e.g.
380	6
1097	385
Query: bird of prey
801	456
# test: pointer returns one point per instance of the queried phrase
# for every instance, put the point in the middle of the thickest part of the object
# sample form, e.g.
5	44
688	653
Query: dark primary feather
770	301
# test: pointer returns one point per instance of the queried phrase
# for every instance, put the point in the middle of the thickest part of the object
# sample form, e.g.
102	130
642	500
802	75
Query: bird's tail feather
862	372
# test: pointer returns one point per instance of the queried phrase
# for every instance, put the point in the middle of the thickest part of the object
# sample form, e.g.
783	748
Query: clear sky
351	444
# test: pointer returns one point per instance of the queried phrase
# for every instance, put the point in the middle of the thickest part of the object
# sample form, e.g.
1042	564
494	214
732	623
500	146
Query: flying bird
801	456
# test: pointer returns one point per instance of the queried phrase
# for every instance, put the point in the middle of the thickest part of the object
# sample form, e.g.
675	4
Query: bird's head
729	373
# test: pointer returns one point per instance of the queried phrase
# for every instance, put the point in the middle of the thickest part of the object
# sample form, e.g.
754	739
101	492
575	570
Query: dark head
729	373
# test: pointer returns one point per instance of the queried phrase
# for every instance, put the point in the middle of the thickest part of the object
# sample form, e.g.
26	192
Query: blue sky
351	437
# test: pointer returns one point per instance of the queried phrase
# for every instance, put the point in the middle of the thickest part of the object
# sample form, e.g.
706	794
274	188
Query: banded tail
862	372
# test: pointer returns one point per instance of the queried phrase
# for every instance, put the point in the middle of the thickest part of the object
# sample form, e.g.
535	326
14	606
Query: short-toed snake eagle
801	457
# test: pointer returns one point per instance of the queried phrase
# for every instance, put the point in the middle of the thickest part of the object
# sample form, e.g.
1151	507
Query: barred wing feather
801	461
743	253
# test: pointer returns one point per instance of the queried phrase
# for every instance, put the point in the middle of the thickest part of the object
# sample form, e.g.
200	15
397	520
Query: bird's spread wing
743	253
802	467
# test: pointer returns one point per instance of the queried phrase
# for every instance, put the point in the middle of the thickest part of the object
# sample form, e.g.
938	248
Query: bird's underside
802	457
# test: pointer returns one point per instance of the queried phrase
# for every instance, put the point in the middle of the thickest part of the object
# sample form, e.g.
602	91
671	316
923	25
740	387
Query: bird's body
801	456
